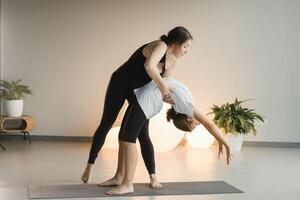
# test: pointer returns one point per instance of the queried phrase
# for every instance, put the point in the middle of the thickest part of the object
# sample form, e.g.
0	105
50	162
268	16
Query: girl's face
180	50
192	123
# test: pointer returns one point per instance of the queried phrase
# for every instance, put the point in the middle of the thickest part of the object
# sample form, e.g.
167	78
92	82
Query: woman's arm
214	130
151	68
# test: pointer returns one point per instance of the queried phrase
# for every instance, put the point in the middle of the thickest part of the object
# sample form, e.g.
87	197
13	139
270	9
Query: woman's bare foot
87	174
114	181
154	183
122	189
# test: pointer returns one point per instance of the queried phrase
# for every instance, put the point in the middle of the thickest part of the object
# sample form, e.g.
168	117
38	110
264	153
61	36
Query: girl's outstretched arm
214	131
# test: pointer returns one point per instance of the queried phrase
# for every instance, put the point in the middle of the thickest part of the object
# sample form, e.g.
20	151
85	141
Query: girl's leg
134	123
130	166
147	148
148	155
117	179
114	100
130	163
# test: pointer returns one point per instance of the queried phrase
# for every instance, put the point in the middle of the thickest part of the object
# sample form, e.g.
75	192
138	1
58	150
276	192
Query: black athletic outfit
132	74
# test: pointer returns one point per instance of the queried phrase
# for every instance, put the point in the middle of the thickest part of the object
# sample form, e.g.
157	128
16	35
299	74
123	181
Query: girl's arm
214	130
210	126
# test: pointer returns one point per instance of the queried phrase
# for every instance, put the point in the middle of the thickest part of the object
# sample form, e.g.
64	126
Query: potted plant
235	121
12	93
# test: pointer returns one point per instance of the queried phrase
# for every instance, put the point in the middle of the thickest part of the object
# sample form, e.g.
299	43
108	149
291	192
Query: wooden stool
27	124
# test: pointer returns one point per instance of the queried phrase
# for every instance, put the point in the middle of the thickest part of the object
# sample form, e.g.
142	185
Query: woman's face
180	50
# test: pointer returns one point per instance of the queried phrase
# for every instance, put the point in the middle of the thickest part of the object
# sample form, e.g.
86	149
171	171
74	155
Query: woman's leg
114	100
133	126
148	155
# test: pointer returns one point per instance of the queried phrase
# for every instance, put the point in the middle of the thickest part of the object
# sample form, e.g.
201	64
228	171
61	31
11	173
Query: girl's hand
220	150
229	154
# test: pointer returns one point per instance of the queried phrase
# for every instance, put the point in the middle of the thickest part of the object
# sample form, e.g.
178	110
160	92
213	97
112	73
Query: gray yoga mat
140	189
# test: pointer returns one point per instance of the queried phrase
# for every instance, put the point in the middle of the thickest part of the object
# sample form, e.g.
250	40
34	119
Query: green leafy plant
234	118
13	90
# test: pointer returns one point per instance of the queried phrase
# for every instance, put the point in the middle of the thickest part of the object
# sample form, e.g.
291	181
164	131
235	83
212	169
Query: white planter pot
235	142
14	108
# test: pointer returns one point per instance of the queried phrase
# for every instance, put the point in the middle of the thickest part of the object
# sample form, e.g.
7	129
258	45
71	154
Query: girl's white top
150	98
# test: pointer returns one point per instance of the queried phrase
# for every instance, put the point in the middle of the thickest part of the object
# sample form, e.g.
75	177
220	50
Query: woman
152	61
148	102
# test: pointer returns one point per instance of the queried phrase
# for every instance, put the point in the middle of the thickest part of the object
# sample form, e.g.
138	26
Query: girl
148	102
152	61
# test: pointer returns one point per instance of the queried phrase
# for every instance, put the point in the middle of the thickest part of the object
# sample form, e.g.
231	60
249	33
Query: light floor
262	173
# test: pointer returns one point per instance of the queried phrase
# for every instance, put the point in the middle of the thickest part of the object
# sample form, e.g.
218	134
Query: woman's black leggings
116	94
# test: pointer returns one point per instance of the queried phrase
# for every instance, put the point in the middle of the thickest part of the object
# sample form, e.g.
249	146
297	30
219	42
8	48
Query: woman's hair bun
164	38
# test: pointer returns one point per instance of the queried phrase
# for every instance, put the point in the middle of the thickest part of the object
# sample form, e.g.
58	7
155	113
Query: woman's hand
167	94
229	154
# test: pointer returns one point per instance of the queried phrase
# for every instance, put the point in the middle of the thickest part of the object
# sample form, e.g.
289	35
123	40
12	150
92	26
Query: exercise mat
140	189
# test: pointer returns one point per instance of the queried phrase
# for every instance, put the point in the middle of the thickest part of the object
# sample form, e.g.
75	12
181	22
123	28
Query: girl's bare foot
114	181
122	189
87	174
154	183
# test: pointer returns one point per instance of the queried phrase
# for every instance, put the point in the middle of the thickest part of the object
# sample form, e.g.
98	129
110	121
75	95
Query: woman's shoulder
156	44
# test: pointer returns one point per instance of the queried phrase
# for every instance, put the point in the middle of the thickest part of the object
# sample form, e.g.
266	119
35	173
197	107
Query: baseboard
271	144
9	137
6	137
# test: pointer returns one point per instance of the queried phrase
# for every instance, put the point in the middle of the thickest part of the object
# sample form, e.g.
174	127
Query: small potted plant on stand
12	93
235	121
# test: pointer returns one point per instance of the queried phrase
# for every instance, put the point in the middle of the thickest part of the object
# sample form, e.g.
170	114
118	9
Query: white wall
67	49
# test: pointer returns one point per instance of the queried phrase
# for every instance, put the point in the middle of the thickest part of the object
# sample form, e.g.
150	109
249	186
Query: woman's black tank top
133	70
